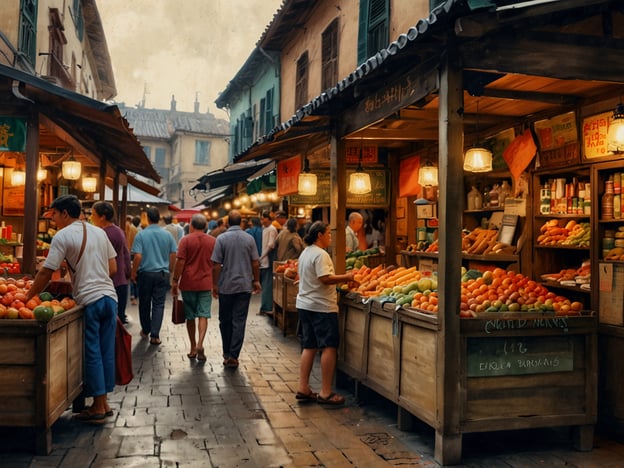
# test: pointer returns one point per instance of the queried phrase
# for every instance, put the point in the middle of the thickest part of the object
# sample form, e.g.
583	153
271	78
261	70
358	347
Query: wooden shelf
486	210
561	247
563	216
557	285
481	258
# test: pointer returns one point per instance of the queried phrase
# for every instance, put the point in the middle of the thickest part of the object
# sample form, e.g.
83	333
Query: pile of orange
14	303
501	290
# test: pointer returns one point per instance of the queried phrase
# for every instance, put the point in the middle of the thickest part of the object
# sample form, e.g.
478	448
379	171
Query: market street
179	412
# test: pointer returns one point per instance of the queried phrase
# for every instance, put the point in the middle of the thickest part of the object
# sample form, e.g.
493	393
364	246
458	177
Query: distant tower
173	103
145	93
197	102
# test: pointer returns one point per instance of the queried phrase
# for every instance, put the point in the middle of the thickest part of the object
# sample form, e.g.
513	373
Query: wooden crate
41	368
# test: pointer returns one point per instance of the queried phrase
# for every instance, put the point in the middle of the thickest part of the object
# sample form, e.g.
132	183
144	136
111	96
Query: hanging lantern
89	184
428	175
18	177
71	169
478	160
359	181
307	184
615	134
42	175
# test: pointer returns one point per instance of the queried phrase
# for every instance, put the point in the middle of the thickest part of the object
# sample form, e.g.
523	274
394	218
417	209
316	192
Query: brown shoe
232	363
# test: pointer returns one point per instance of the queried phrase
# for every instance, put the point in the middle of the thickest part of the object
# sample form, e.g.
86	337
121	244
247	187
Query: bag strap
82	247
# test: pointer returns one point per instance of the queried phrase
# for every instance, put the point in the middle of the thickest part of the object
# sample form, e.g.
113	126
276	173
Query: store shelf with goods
562	231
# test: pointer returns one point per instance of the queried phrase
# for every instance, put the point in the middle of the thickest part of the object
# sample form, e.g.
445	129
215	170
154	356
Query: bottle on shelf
486	196
606	202
505	192
545	199
472	197
494	202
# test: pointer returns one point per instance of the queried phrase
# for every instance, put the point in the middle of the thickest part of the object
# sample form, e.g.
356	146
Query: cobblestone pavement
182	413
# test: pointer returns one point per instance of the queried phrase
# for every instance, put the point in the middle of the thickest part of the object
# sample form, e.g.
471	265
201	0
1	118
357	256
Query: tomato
17	304
25	313
7	299
32	303
3	288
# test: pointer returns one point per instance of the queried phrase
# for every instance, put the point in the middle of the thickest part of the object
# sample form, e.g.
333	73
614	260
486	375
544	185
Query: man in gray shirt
235	277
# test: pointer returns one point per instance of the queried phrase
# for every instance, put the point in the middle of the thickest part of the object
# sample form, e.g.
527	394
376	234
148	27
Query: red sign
408	177
288	176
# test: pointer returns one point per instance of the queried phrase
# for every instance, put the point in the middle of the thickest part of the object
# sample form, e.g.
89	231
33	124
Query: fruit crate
41	369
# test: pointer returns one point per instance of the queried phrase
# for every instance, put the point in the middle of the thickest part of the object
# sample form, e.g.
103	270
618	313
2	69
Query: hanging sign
12	134
595	135
369	154
408	177
558	140
288	176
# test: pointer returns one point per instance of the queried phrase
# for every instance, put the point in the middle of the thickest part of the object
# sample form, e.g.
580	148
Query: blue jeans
153	287
100	320
266	280
233	310
134	290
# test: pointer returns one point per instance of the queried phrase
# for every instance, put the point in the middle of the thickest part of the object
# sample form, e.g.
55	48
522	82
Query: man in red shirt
192	274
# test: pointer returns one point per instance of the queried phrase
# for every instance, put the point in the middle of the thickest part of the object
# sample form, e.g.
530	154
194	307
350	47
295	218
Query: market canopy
230	174
95	128
136	195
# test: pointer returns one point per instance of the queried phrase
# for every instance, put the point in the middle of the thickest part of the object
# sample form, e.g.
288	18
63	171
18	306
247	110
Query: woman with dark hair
317	305
102	215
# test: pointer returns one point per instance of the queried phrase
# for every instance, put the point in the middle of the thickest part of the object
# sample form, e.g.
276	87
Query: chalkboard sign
377	198
489	357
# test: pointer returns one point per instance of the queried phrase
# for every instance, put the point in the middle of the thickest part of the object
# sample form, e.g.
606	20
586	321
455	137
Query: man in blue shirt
256	232
154	253
235	276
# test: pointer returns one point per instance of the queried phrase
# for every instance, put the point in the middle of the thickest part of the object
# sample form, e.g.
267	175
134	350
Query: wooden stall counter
284	300
517	371
41	372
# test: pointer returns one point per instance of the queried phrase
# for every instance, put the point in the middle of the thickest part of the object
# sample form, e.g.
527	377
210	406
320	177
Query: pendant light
307	184
18	177
42	174
428	175
615	134
478	158
359	181
89	184
71	169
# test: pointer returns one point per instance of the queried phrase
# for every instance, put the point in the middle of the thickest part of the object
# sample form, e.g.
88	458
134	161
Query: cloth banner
408	177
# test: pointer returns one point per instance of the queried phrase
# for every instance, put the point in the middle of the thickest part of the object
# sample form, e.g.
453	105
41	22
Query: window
261	123
202	152
159	157
148	152
78	19
301	85
268	112
373	30
329	65
27	43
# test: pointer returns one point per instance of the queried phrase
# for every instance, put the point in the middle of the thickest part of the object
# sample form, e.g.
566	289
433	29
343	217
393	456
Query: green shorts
197	304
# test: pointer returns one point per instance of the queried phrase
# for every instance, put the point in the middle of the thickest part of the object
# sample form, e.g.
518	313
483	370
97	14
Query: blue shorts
318	329
197	304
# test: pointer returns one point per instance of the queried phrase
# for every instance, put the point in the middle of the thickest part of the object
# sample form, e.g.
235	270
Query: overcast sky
180	47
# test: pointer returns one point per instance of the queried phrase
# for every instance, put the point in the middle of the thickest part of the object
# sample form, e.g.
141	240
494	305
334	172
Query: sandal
86	416
306	397
155	341
191	355
200	355
333	399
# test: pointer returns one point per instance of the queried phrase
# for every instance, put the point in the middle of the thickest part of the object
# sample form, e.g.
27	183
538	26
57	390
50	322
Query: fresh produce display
501	291
13	303
580	276
565	233
10	267
290	268
398	285
358	258
495	290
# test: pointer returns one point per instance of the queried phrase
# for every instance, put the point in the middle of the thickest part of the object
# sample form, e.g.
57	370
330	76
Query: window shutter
362	32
